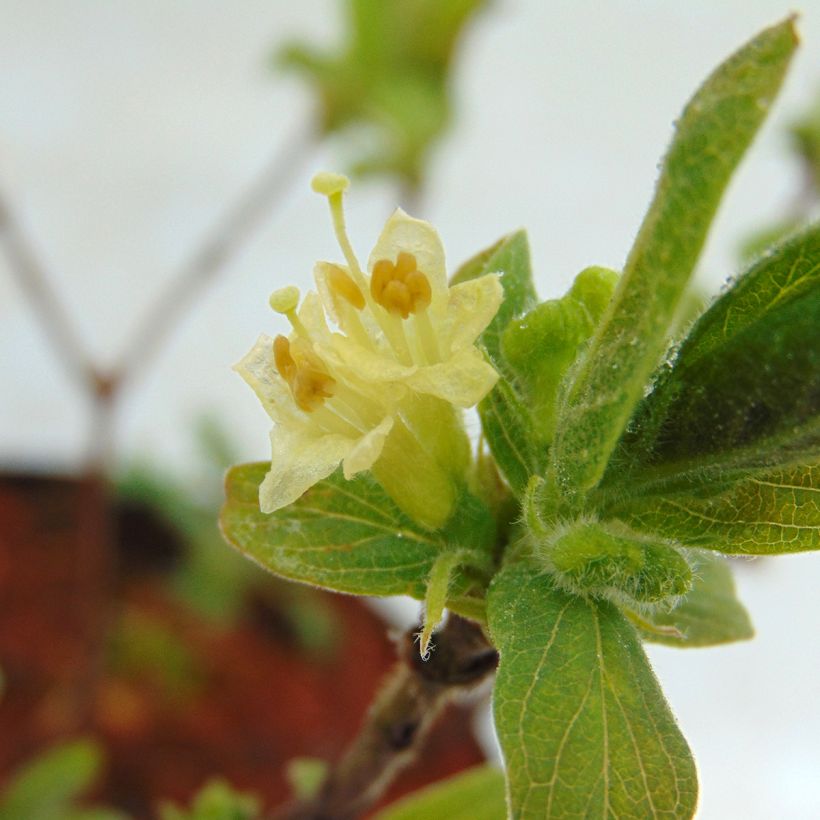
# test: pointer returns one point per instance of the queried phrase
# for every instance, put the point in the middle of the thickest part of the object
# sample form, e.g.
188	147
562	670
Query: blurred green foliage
804	134
216	801
391	75
49	786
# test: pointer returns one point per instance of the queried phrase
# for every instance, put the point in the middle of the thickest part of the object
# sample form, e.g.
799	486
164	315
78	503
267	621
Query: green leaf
510	432
46	786
767	513
477	794
708	615
348	536
582	723
744	389
506	420
511	258
711	137
476	265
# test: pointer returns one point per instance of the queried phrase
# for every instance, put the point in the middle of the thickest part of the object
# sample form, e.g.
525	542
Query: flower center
309	384
400	288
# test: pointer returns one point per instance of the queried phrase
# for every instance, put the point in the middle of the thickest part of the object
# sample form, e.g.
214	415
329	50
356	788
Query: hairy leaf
708	615
347	536
744	389
711	137
769	512
606	559
477	794
583	725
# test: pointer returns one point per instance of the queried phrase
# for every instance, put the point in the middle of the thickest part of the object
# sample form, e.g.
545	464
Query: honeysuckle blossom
380	393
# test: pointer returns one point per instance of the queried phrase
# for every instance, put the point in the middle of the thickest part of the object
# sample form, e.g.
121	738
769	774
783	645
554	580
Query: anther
285	363
309	385
400	288
342	284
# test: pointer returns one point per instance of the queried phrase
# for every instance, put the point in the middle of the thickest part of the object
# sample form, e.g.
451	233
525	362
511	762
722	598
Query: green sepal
583	725
349	536
711	137
708	615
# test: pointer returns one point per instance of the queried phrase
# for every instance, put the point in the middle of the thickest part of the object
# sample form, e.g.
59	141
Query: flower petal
367	449
463	379
298	461
368	365
471	308
258	369
312	317
404	233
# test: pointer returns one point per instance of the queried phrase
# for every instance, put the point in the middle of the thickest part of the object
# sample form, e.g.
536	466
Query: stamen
427	336
309	385
400	288
285	363
310	388
342	284
333	187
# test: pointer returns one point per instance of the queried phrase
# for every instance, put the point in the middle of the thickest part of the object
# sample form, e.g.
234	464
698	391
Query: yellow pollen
342	284
400	288
309	385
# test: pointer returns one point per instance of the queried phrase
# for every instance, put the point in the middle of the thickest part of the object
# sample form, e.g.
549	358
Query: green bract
612	469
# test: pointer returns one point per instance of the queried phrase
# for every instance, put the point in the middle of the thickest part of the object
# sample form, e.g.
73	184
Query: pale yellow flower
382	392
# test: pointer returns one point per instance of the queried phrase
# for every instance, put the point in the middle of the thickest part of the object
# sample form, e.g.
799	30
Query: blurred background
126	131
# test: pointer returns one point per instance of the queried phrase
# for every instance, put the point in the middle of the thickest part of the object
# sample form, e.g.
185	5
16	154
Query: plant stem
399	720
46	307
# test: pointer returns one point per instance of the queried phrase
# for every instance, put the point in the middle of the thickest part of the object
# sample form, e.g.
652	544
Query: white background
125	128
